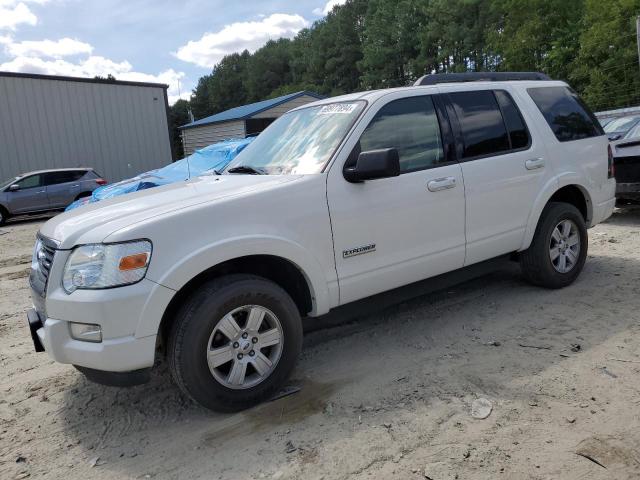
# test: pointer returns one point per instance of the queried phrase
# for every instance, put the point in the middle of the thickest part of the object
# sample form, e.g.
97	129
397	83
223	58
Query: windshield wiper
245	169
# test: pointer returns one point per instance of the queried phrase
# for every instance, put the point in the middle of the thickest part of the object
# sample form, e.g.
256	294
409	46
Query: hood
94	222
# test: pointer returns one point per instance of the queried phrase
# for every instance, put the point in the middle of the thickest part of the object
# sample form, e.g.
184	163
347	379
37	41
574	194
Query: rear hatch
626	155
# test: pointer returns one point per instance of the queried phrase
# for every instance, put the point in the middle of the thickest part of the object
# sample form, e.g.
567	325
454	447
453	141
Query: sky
163	41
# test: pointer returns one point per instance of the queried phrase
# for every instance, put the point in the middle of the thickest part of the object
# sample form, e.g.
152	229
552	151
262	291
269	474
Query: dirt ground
387	395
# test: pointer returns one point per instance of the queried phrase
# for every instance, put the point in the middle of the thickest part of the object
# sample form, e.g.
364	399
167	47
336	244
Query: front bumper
114	355
48	332
129	318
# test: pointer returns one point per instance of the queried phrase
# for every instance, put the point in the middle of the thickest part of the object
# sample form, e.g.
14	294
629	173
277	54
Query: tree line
366	44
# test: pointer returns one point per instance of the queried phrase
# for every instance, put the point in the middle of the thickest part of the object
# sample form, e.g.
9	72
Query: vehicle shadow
444	344
626	216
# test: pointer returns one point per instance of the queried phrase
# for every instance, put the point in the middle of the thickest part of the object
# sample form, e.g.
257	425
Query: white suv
335	201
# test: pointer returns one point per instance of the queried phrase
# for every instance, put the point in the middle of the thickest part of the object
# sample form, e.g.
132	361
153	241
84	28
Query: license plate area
35	323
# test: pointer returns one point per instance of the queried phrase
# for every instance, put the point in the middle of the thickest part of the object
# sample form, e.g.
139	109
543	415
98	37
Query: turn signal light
132	262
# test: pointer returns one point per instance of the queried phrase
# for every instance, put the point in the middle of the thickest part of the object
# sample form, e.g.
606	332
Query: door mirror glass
14	188
374	164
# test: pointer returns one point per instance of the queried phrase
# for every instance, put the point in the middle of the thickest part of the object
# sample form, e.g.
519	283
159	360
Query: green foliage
606	69
367	44
178	115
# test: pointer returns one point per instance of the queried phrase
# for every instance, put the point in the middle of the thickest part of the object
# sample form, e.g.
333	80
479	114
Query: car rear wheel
559	247
4	216
234	342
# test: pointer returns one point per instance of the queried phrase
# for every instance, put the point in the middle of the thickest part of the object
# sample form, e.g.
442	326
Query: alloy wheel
564	248
245	347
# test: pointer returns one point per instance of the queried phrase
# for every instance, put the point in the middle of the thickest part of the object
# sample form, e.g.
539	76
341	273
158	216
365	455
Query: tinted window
565	113
30	182
518	133
53	178
483	130
409	125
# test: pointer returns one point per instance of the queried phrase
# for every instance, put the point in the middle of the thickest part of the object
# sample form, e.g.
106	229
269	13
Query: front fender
551	187
177	275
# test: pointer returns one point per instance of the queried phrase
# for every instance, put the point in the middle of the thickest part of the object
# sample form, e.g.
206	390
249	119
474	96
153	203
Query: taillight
611	168
101	181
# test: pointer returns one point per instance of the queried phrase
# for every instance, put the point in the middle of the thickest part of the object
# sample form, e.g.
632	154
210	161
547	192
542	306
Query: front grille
45	260
41	265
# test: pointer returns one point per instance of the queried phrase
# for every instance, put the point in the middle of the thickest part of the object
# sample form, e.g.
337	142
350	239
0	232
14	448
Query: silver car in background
45	190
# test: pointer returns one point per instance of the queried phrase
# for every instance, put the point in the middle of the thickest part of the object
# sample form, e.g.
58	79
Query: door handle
534	163
441	184
76	185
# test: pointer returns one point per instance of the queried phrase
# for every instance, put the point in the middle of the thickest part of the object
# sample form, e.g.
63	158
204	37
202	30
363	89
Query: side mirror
14	188
374	164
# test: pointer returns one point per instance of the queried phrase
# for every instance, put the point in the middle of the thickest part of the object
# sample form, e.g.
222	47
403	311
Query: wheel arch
282	271
572	193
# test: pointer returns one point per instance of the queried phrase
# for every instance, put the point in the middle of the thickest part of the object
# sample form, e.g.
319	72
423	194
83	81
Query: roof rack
436	78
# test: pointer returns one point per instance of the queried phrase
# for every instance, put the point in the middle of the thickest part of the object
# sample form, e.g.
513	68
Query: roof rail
436	78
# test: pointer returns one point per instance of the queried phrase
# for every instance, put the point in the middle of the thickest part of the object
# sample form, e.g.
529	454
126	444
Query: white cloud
97	66
328	7
48	48
11	3
13	15
239	36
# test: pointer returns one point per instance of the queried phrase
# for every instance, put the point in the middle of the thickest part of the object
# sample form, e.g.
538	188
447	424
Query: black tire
4	216
82	195
536	263
197	319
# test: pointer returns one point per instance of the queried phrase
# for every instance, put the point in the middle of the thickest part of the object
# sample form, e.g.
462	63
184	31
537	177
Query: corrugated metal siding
199	137
120	130
283	108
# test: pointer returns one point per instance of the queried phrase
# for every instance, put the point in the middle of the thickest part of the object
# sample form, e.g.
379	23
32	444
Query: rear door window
566	114
483	130
55	178
518	133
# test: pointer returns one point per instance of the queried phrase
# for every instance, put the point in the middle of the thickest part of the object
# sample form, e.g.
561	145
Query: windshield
299	142
6	183
621	124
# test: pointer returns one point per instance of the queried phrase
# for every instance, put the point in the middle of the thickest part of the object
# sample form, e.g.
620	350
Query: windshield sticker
337	108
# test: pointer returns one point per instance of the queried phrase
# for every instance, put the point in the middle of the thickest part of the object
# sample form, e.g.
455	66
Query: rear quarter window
566	114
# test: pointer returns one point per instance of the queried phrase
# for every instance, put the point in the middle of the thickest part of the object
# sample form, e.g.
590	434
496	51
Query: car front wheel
234	342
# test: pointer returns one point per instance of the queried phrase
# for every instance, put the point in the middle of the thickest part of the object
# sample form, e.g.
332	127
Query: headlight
106	265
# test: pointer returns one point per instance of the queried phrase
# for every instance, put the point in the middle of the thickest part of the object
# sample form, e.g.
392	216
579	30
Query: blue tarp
201	162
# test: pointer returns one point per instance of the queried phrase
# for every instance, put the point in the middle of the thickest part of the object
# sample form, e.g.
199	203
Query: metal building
240	122
118	128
